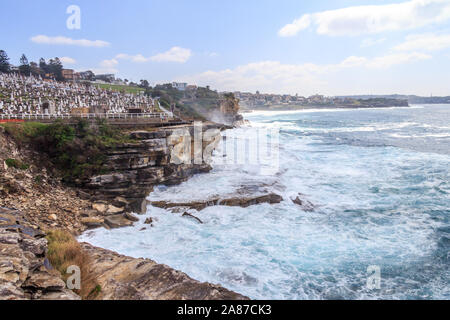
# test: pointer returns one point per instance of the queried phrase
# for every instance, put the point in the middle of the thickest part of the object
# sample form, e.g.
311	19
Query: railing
162	116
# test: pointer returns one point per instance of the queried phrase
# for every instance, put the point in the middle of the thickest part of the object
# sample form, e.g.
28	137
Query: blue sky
275	46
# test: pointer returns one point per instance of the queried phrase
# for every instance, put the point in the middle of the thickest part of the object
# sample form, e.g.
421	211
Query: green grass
127	89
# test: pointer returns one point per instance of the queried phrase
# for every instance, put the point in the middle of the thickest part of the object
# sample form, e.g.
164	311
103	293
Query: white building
179	85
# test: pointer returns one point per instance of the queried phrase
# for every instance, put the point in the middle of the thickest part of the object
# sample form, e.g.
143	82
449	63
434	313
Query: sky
335	47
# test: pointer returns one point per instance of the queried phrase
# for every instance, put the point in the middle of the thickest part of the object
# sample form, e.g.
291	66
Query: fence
124	116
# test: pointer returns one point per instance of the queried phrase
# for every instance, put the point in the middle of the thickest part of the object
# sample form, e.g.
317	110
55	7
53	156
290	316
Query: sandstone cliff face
229	107
160	157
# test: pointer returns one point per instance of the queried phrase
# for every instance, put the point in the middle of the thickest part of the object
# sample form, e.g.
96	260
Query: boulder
131	217
117	221
114	210
92	222
100	207
304	204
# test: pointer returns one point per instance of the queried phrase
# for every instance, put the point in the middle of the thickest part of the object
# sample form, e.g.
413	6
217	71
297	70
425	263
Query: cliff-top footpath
57	181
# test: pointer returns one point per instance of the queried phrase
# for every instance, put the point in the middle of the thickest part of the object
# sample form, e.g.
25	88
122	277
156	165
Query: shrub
78	151
65	251
14	163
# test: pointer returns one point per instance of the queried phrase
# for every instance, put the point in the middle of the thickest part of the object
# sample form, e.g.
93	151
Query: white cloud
372	19
426	42
136	58
175	54
67	60
276	77
370	42
109	63
395	59
42	39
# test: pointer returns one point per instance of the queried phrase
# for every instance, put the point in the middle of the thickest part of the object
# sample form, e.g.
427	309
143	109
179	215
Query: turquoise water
380	179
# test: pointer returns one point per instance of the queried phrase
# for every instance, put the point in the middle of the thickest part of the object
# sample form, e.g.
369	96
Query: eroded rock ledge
27	274
125	278
237	201
136	167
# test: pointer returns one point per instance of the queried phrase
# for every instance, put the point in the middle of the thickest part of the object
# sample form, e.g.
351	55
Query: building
86	75
105	77
179	85
68	74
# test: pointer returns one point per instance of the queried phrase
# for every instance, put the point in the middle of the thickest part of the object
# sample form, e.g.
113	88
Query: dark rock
186	214
243	202
304	204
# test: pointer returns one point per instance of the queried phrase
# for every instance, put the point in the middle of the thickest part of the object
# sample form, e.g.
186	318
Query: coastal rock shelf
27	274
125	278
134	168
243	202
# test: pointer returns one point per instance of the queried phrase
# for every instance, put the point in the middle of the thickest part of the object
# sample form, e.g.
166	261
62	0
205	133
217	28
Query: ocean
380	183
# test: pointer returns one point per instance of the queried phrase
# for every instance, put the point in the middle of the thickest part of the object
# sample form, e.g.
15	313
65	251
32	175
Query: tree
34	68
43	66
144	84
56	67
24	67
4	61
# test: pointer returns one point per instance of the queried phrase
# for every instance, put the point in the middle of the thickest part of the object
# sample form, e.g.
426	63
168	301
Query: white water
380	202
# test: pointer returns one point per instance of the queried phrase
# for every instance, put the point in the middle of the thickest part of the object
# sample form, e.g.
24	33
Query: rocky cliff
26	273
33	200
229	108
165	157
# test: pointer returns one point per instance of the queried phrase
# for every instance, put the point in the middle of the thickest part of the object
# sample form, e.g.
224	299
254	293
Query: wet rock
186	214
304	204
117	221
243	202
148	221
